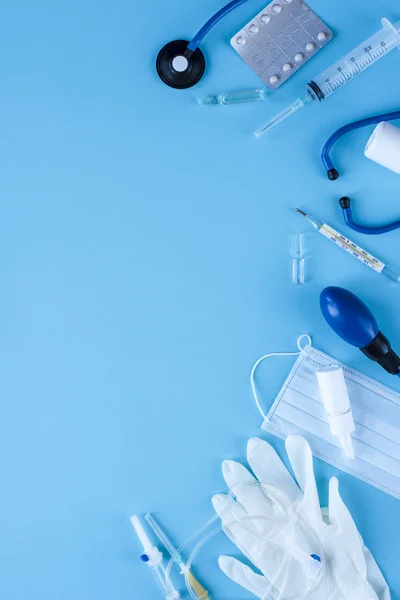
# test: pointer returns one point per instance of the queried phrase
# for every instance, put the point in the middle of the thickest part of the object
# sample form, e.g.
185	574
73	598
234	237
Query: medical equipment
339	565
298	260
383	147
343	71
200	591
154	559
180	64
393	161
345	204
298	409
280	39
352	320
343	242
235	97
336	401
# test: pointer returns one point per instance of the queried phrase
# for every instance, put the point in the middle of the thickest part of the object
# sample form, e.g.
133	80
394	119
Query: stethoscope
334	174
180	64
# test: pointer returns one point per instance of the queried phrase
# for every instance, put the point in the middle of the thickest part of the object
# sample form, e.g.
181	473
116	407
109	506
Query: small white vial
287	67
310	46
321	37
277	8
298	57
274	79
240	40
265	18
254	28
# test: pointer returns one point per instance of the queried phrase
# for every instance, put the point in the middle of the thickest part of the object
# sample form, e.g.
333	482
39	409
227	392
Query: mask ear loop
260	360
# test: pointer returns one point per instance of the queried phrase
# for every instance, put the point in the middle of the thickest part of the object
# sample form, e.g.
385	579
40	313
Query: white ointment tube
336	401
383	147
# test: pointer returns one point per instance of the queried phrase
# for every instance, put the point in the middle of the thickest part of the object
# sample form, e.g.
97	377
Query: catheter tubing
326	159
193	45
372	230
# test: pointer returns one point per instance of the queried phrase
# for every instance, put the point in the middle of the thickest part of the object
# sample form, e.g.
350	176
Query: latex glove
348	569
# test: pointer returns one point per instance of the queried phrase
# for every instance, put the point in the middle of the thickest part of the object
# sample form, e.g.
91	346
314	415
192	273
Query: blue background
146	263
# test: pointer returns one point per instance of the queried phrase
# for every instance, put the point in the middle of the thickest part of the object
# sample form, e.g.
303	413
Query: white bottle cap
336	401
383	147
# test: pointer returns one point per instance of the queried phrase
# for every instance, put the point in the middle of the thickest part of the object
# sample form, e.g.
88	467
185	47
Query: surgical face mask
298	409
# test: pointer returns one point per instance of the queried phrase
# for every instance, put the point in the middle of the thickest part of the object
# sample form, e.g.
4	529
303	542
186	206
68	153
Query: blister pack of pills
280	40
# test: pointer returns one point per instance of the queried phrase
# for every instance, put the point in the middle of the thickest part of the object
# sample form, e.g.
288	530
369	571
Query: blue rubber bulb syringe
352	320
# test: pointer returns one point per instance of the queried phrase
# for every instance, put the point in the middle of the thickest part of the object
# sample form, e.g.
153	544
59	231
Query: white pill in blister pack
280	39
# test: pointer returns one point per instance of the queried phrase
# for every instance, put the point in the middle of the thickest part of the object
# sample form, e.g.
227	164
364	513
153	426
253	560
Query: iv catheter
343	71
181	64
199	590
343	242
154	559
352	320
345	203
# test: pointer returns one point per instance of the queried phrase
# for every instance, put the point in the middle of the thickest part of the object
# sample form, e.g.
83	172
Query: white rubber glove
347	571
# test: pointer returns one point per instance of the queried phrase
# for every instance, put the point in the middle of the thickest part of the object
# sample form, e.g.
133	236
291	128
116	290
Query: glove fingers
340	517
300	456
232	516
375	577
269	557
243	575
269	469
251	496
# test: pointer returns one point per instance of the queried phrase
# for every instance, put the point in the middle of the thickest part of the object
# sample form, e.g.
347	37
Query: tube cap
337	405
383	147
333	390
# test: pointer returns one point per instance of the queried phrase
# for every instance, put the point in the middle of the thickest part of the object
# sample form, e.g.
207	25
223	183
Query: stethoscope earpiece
179	67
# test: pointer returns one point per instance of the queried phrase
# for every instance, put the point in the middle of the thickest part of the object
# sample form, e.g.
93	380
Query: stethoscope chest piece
179	67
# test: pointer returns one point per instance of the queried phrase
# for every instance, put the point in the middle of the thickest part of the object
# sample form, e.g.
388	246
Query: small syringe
344	70
234	97
343	242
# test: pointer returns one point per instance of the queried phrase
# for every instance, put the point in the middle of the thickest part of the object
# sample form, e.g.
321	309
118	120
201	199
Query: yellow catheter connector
196	586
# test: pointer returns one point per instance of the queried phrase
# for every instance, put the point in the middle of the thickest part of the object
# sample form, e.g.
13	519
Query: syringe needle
299	103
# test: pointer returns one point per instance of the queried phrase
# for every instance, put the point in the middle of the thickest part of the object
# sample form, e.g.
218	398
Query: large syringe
344	70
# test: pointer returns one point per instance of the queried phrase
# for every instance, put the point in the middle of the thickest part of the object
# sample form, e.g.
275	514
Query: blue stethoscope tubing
181	64
326	159
195	42
333	173
368	230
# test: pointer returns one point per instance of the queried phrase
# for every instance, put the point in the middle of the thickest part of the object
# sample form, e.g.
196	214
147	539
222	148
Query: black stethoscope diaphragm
181	64
179	67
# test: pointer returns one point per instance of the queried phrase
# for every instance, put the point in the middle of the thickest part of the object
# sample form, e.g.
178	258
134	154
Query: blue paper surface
146	264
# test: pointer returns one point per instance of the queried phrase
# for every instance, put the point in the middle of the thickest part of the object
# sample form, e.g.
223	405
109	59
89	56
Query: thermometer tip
301	212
